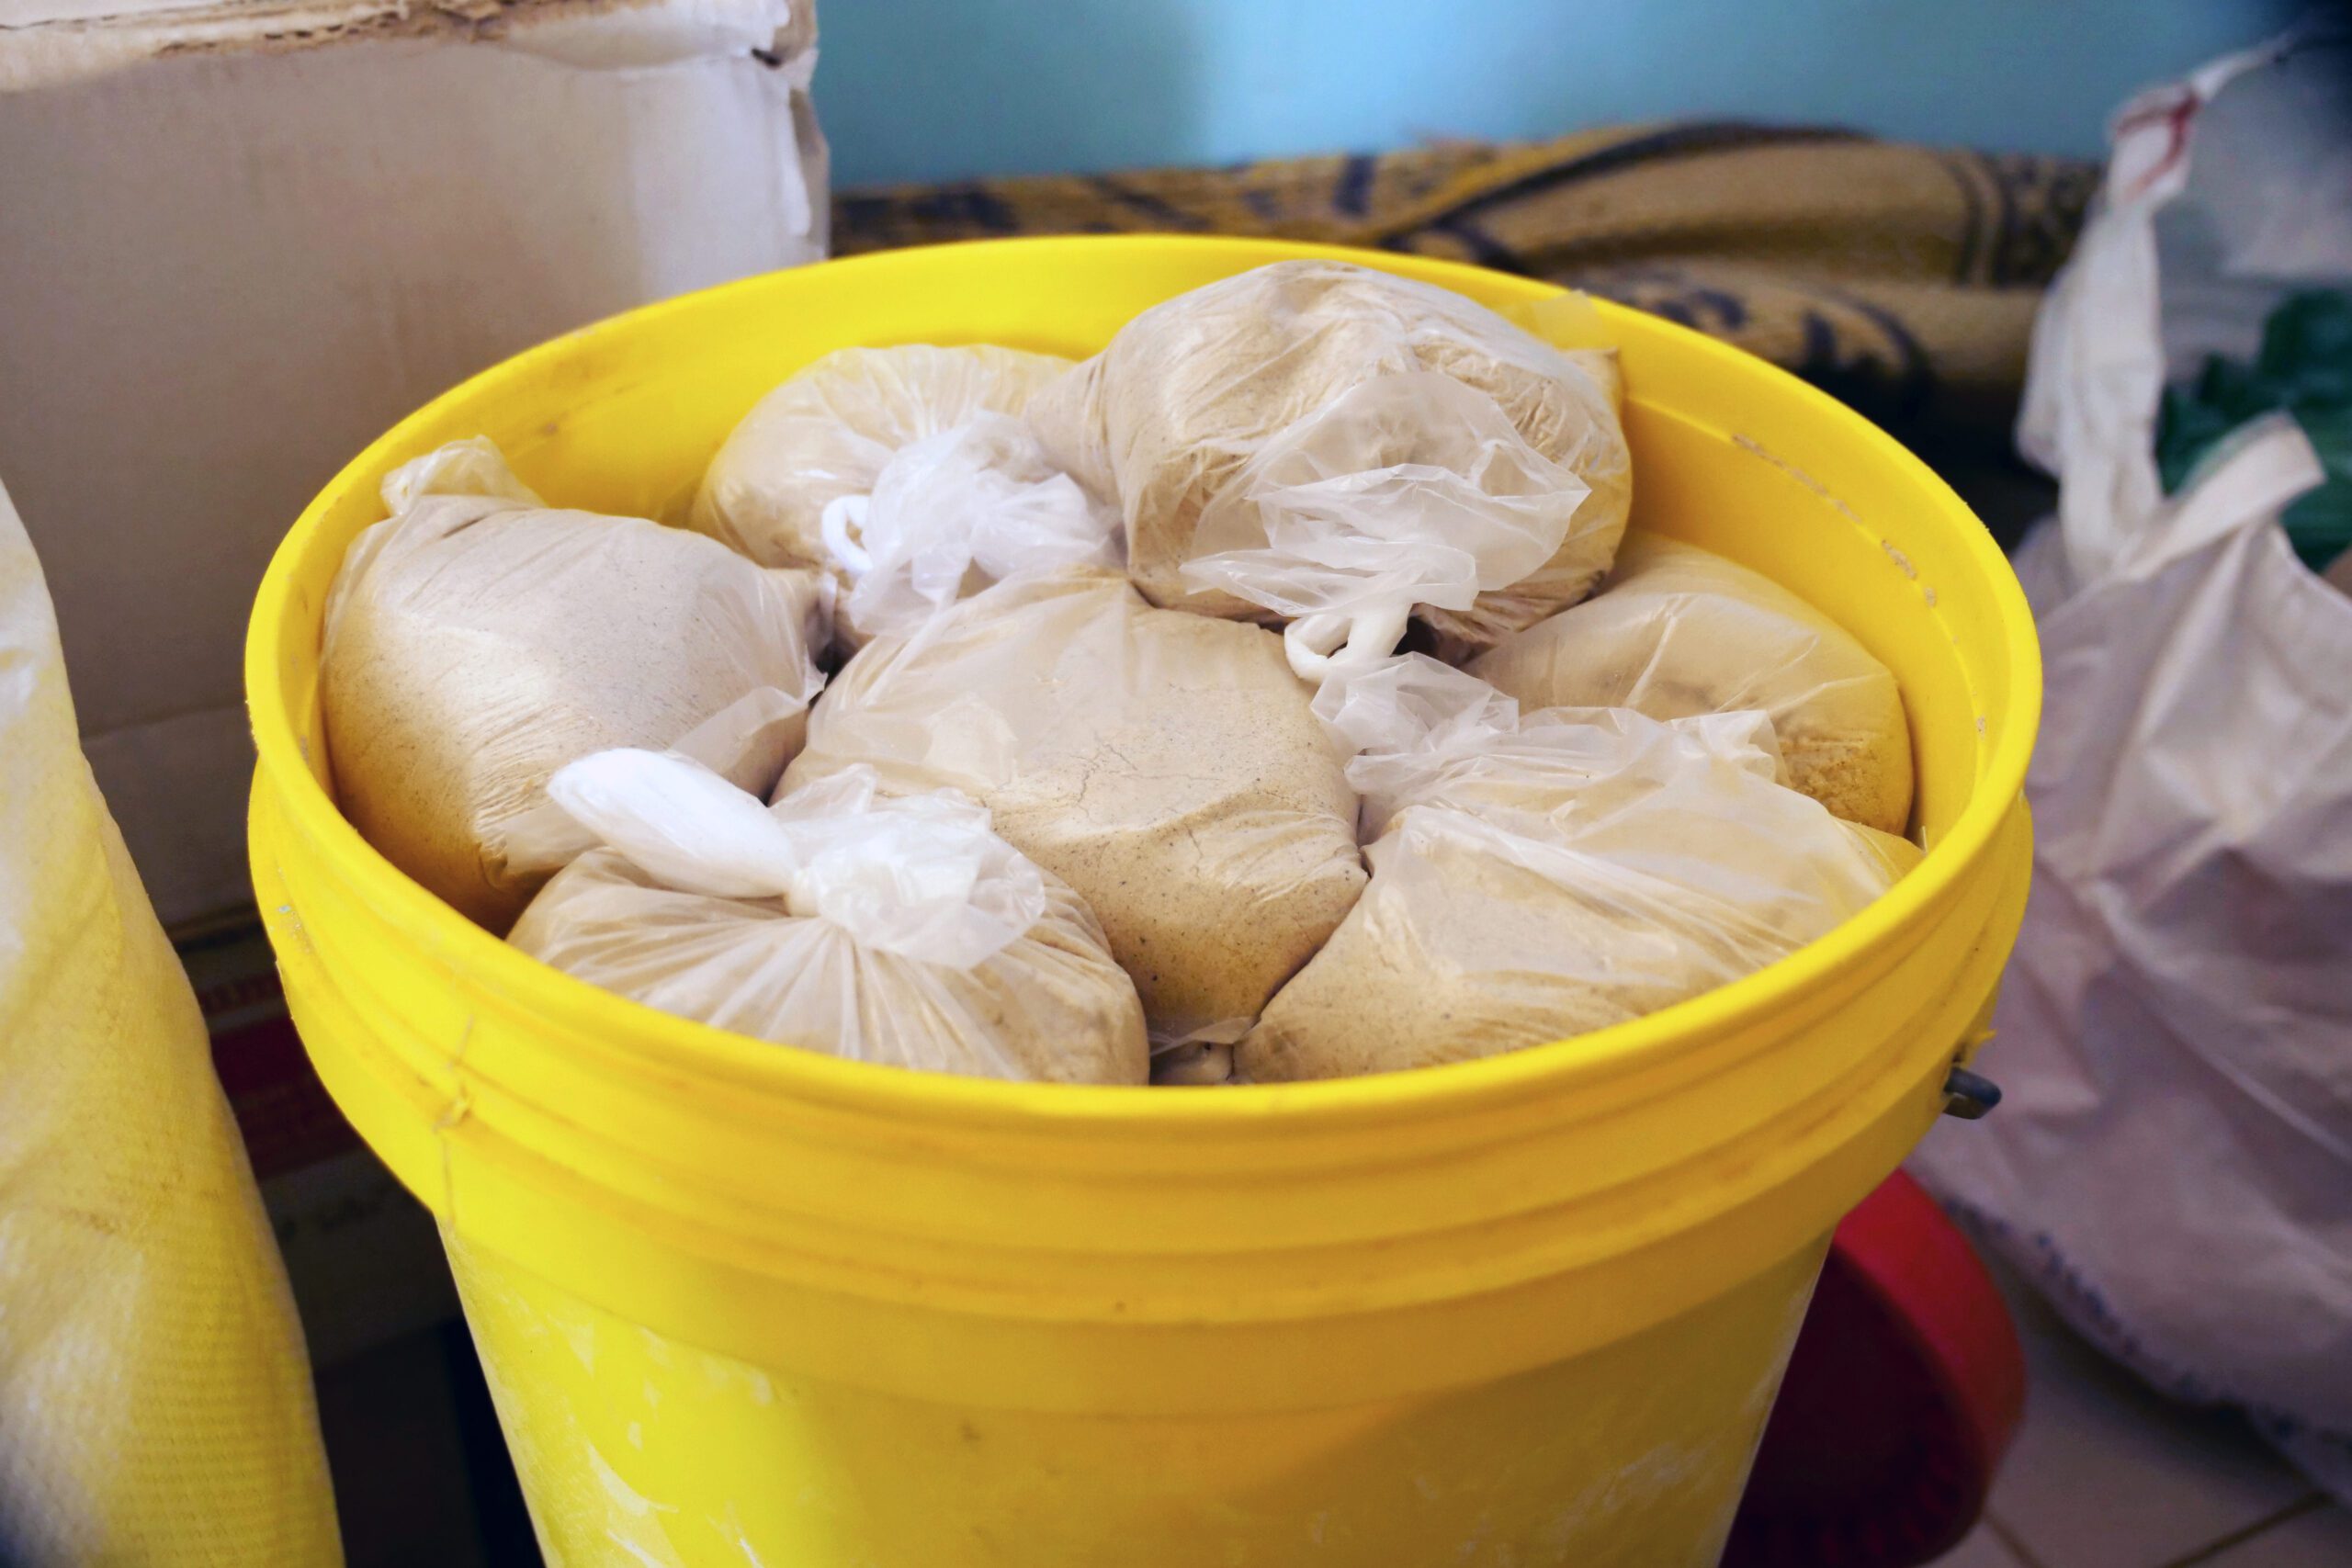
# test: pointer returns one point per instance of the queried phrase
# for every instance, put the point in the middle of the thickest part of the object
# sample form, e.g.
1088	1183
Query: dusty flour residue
1645	1484
1893	552
289	929
727	1375
1754	447
638	1554
635	1523
581	1339
729	1528
631	1502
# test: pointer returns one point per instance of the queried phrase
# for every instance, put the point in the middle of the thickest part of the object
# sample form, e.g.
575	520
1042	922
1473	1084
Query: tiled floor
2104	1474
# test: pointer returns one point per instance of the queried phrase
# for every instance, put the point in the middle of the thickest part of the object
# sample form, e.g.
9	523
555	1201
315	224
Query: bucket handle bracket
1969	1096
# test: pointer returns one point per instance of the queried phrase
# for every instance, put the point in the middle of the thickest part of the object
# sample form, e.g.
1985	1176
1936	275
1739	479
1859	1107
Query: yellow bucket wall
750	1305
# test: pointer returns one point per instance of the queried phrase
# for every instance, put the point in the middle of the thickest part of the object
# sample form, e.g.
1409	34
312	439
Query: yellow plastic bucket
749	1307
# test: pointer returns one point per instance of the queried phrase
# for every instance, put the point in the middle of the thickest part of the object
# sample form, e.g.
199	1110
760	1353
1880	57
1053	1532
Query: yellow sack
155	1405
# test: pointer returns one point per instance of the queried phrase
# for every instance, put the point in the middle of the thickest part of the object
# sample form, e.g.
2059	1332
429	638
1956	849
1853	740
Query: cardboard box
238	239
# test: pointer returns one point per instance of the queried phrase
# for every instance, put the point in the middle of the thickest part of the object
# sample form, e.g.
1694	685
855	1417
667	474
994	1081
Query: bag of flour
1333	446
478	640
1535	878
1678	631
1166	765
895	930
905	473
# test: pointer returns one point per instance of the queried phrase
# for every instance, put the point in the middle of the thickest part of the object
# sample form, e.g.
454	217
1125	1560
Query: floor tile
1983	1549
2321	1538
2105	1474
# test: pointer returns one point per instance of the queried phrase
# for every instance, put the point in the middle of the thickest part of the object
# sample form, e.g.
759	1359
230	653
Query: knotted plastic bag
1340	448
904	473
1678	631
476	640
895	930
1166	765
1537	877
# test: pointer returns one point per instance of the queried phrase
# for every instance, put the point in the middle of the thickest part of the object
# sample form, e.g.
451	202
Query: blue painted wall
935	89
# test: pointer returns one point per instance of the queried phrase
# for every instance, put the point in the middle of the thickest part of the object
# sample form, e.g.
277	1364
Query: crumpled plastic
155	1402
476	640
953	513
1678	631
1166	765
2171	1159
906	474
897	930
1537	876
1337	447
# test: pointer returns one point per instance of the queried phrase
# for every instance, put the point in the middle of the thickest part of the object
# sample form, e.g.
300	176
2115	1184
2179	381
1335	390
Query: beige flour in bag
1538	879
829	438
1171	416
476	640
1678	631
894	931
1165	765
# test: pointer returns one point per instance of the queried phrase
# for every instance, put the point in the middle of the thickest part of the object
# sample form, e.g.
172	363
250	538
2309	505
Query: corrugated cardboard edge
50	52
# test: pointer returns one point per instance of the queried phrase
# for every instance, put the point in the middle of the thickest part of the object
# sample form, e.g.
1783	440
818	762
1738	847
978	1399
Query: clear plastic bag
1677	631
895	930
906	474
1331	445
1535	878
476	640
1165	765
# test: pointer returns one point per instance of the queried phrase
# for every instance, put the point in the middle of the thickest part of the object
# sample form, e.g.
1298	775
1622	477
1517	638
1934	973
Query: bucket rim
665	1041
